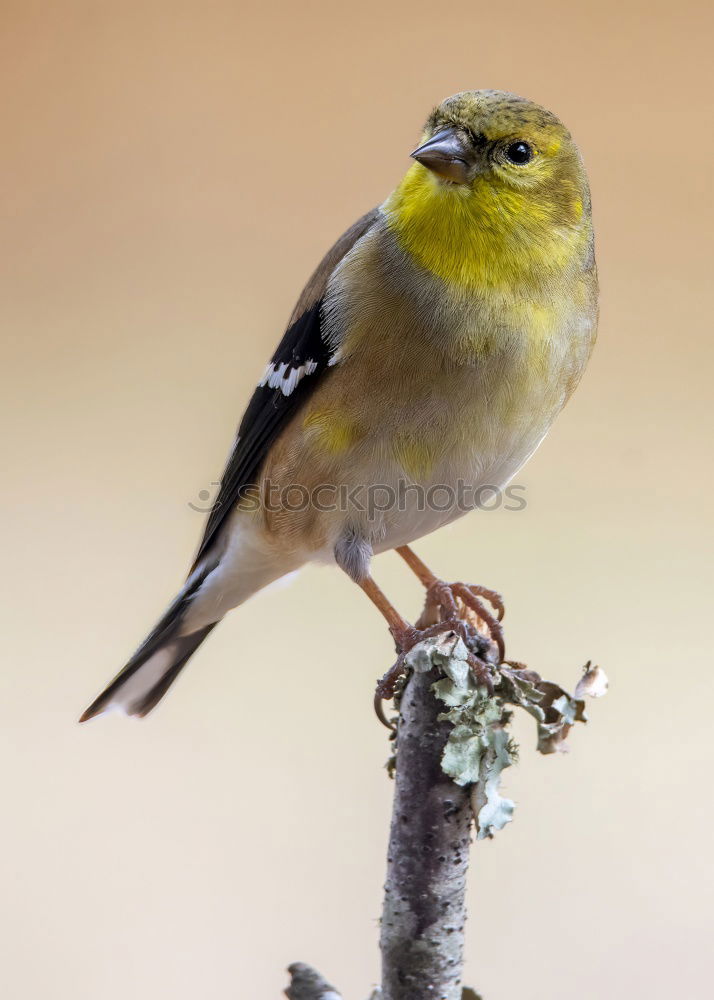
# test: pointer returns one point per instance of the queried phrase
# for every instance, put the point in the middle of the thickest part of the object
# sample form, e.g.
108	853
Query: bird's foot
477	645
453	600
444	599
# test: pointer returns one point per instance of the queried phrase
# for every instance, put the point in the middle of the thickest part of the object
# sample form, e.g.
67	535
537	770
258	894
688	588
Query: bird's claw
478	647
446	595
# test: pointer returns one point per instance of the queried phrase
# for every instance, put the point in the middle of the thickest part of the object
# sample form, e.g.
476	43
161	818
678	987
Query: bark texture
422	934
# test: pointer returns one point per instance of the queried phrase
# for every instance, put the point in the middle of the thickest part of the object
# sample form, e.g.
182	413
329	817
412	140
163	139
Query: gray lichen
479	747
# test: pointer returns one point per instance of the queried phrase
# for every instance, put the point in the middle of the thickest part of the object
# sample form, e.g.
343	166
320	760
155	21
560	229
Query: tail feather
184	650
156	664
227	575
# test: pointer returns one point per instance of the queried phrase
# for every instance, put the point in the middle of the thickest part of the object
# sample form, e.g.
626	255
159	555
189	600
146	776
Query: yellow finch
427	357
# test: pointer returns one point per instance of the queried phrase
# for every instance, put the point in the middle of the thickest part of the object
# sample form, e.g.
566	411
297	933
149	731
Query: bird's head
495	171
490	139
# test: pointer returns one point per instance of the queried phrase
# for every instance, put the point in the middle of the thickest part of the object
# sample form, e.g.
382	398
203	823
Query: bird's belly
430	445
490	420
421	476
469	478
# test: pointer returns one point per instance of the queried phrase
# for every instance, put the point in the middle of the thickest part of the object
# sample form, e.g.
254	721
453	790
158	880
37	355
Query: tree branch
452	744
422	936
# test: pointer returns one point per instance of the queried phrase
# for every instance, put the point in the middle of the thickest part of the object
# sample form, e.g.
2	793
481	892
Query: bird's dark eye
519	153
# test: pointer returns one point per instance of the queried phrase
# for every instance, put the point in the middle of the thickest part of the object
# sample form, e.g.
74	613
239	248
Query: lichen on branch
479	747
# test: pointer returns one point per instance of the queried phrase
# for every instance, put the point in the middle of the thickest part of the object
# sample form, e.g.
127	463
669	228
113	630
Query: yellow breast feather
487	235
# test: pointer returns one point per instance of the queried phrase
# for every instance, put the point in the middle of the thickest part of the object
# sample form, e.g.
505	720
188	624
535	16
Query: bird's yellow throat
488	234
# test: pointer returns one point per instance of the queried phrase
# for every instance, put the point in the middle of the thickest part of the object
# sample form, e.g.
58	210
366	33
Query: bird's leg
404	635
407	636
430	579
444	596
399	627
417	566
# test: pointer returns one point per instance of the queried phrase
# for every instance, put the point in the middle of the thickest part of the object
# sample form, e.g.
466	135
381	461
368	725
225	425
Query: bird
427	356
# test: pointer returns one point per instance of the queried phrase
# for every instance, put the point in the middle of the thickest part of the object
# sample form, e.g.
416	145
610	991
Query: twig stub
307	984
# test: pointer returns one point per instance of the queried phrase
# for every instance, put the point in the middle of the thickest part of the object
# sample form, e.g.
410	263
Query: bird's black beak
447	155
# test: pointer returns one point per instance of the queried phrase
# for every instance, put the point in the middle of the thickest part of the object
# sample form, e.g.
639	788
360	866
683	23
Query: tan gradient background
170	175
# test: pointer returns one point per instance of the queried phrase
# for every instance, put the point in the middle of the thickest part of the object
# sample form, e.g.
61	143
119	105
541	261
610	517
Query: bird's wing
297	366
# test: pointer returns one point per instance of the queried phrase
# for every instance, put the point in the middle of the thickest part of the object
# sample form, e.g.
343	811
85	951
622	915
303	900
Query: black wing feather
266	415
271	406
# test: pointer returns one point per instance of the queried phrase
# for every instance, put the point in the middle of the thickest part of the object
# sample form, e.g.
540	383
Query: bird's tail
155	665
